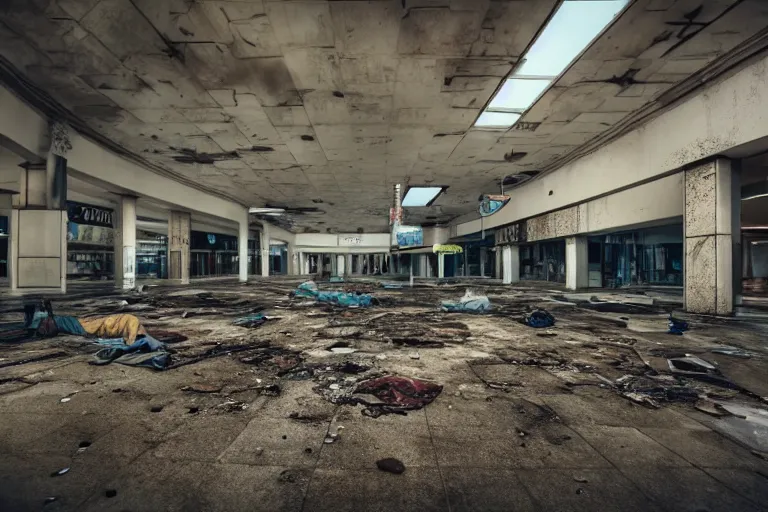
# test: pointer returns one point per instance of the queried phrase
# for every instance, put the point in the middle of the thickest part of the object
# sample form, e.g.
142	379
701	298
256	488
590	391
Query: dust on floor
490	414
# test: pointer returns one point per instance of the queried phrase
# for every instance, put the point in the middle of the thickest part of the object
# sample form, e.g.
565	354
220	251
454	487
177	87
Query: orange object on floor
123	326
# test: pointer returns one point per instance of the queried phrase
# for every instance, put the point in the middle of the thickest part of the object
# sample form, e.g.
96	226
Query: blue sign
211	238
409	236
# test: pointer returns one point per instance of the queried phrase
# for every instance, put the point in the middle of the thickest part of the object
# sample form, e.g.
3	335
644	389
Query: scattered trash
414	355
538	319
65	400
677	326
732	351
392	286
691	364
469	303
332	437
50	499
391	465
60	472
259	450
232	406
348	300
269	390
546	334
110	493
397	394
343	350
251	321
580	479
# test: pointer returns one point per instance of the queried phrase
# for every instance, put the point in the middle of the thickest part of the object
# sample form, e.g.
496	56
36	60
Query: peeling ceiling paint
301	103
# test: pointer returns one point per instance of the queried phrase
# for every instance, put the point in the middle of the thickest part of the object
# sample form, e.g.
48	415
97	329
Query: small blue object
254	320
676	326
539	319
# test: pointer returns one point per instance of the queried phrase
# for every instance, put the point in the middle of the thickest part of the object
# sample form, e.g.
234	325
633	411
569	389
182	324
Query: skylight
571	30
421	196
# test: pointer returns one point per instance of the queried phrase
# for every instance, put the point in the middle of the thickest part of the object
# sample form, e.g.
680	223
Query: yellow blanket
114	326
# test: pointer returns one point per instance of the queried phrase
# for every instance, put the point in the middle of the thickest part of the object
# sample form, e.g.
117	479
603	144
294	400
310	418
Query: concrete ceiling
328	104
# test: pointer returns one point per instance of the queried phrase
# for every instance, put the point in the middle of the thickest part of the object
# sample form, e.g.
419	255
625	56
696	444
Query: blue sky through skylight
575	24
420	196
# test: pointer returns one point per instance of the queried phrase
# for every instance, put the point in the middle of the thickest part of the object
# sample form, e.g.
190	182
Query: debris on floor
539	318
677	326
310	290
469	303
391	465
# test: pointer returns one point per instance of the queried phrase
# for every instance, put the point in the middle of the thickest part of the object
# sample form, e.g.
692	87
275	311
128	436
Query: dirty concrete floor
528	419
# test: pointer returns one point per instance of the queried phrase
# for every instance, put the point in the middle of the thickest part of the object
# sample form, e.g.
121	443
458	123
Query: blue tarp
539	319
145	351
468	304
347	300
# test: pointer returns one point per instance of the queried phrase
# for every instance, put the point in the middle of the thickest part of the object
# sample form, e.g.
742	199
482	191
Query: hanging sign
447	249
409	236
81	213
490	204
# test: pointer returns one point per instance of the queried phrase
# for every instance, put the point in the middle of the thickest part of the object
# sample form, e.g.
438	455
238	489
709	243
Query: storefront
543	261
278	259
151	255
646	257
90	241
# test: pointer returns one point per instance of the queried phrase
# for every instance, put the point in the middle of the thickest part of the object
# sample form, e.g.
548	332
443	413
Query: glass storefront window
543	261
651	256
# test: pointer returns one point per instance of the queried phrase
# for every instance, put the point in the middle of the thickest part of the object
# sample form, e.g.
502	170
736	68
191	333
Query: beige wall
721	116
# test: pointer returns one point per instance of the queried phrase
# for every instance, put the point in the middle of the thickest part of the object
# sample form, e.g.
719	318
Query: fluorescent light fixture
570	31
266	211
518	94
497	119
421	196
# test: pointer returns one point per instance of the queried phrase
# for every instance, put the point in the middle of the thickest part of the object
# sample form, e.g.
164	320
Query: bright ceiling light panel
572	29
421	196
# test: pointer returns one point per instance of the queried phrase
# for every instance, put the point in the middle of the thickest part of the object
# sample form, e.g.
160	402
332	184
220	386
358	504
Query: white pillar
483	252
440	265
712	225
265	250
576	263
179	255
510	256
341	263
242	248
125	244
411	269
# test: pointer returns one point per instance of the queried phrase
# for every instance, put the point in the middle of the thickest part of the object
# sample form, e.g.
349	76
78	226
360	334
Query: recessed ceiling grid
329	104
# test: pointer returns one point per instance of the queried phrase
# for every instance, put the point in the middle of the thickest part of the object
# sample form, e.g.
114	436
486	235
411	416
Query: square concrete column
265	250
440	265
483	253
38	244
179	254
341	263
242	248
497	272
576	263
712	226
125	244
510	256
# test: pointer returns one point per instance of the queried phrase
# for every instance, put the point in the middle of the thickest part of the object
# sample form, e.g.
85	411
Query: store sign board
512	234
350	240
409	236
87	214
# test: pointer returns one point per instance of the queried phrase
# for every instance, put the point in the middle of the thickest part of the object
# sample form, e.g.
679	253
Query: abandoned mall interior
384	255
